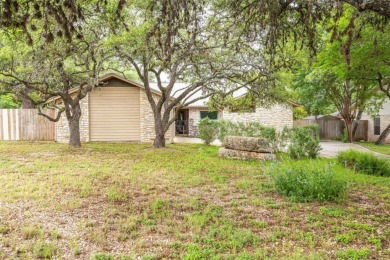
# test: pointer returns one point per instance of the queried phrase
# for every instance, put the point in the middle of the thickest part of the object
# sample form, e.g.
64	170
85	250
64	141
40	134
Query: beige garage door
114	114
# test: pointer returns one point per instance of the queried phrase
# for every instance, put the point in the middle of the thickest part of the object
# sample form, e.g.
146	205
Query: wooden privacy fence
332	129
26	124
303	122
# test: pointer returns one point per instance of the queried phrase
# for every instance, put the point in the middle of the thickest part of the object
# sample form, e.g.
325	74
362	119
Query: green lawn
184	201
384	148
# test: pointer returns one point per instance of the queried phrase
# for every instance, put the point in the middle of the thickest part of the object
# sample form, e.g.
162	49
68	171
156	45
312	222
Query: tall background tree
58	47
354	29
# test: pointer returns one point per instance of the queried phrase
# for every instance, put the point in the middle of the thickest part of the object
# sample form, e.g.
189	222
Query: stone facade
277	116
62	126
147	120
194	118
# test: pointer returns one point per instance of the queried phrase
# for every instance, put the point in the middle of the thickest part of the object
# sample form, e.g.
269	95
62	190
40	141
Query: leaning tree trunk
356	123
383	136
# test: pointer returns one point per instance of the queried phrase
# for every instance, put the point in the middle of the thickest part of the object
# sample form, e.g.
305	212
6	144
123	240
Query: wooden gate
362	131
26	124
330	129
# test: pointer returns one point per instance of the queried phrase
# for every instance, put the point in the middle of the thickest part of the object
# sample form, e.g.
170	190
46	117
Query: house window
213	115
377	125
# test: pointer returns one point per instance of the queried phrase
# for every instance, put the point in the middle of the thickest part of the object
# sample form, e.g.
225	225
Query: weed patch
44	250
366	163
308	181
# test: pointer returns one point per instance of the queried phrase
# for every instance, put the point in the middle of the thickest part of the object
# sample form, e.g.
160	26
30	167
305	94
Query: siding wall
114	113
385	121
384	114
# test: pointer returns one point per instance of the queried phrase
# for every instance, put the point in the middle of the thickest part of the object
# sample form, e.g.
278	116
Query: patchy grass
383	148
124	201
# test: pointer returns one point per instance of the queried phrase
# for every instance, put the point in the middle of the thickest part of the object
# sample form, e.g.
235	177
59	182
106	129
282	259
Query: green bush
308	181
366	163
305	142
208	130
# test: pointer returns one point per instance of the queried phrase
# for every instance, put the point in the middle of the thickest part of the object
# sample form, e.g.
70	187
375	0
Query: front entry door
182	122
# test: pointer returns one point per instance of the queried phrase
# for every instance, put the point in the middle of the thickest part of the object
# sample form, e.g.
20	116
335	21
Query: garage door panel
115	114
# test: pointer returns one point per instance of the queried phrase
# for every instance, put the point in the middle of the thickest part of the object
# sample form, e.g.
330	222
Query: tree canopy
332	48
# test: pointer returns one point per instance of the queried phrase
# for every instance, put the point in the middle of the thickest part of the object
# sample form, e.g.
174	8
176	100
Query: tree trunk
383	136
74	126
159	141
348	125
356	123
74	129
27	104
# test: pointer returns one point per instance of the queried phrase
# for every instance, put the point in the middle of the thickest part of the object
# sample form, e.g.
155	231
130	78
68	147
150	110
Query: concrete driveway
331	148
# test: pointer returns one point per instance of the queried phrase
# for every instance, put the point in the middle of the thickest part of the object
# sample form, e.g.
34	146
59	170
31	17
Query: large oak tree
54	52
185	41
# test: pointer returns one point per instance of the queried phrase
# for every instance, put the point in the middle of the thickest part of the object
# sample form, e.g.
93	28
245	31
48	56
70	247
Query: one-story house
277	116
119	111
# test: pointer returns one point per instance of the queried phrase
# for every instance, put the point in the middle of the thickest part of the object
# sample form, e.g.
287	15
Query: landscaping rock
245	155
251	144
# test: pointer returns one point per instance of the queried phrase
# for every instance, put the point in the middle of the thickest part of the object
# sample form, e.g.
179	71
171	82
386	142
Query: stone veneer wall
385	121
62	126
194	118
147	120
278	116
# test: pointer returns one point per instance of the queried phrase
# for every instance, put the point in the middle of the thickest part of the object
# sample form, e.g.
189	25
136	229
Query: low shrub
305	142
366	163
208	130
308	181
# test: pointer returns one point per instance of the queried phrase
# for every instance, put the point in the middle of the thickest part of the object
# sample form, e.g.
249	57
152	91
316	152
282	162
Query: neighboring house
378	123
119	111
373	129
